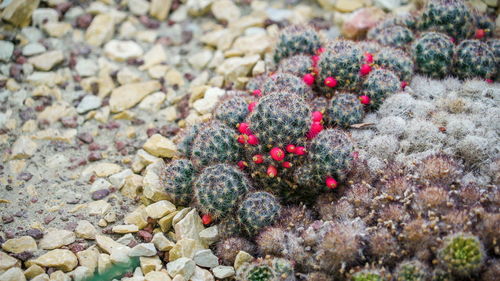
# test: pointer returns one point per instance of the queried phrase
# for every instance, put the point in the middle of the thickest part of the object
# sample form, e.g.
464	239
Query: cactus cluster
177	177
344	110
474	58
379	84
453	17
296	40
268	269
433	54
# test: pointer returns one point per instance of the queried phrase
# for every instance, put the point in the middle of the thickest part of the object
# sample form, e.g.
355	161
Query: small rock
88	258
157	275
59	276
161	242
57	29
223	271
80	273
118	179
200	59
160	209
154	56
346	6
241	258
160	8
86	67
56	238
182	266
99	184
160	146
102	169
233	68
120	255
137	217
189	227
209	235
130	228
44	15
149	264
47	60
13	274
7	262
32	271
225	10
99	207
145	235
32	49
388	4
58	258
103	263
35	233
6	50
153	102
89	102
205	258
143	250
360	21
19	12
100	194
185	248
100	30
209	101
20	244
23	148
201	274
85	230
122	50
138	7
129	95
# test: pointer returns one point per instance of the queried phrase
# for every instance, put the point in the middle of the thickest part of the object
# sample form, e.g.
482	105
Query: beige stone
58	258
346	6
106	243
182	266
357	24
20	244
138	217
129	228
201	274
157	276
122	50
57	29
99	207
223	271
59	276
185	248
102	169
7	262
174	77
189	227
103	263
209	235
100	30
47	60
55	135
33	271
89	258
153	57
225	10
57	111
160	8
19	12
153	188
241	258
23	148
161	242
132	187
166	222
160	209
149	264
85	230
236	67
252	44
129	95
56	238
160	146
13	274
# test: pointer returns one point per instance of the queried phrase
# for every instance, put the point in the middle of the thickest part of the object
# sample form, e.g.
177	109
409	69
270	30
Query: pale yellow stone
132	187
346	6
149	264
185	248
153	188
236	67
56	111
160	209
129	95
33	271
23	148
100	30
160	8
58	258
106	243
160	146
166	222
161	242
103	263
241	258
174	77
47	60
56	135
20	244
189	227
59	276
57	29
138	217
102	169
89	258
85	230
157	275
99	207
7	262
153	57
56	238
122	229
13	274
19	12
252	44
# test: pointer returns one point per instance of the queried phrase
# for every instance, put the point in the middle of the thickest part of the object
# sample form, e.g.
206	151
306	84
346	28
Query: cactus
407	20
344	110
341	61
280	82
474	58
396	60
215	143
298	65
433	54
258	210
228	249
177	178
268	269
295	40
411	271
368	275
231	110
371	47
439	169
452	17
395	36
462	254
379	84
485	24
256	83
218	188
185	139
495	48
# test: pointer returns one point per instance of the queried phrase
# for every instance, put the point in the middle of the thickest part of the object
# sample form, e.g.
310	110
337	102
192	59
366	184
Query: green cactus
396	60
268	269
280	82
411	271
298	65
371	47
368	275
177	178
474	58
231	110
407	20
319	103
256	83
395	36
379	84
494	45
344	110
295	40
486	24
215	143
462	254
341	60
433	54
260	273
440	275
185	140
452	17
258	210
218	188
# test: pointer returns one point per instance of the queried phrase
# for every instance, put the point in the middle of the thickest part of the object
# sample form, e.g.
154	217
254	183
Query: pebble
88	258
130	228
233	68
160	8
102	169
160	209
101	30
47	60
241	258
161	242
153	57
143	250
58	258
360	21
7	262
346	6
44	15
89	102
33	49
149	264
86	67
138	7
6	50
201	274
182	266
157	275
35	233
388	4
189	227
20	244
223	271
160	146
56	238
33	270
100	194
225	10
85	230
205	258
99	207
23	148
120	255
122	50
19	12
13	274
129	95
209	101
80	273
103	263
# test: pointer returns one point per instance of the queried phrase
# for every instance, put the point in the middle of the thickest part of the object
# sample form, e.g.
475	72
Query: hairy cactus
339	66
281	82
256	83
232	110
319	104
495	48
395	36
484	24
411	271
258	210
407	20
379	84
185	139
439	169
474	58
227	249
452	17
298	65
462	254
177	178
371	47
295	40
218	188
268	269
215	143
368	275
433	54
396	60
344	110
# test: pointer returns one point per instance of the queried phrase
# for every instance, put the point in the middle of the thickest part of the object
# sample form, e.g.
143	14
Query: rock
185	248
161	242
129	95
360	21
20	244
59	276
259	68
56	238
7	262
149	264
160	209
198	7
252	44
138	7
86	67
47	60
130	228
157	275
346	6
174	77
122	50
103	263
23	148
88	258
80	273
225	10
99	184
182	266
41	277
209	101
143	250
201	274
58	258
85	230
223	271
201	59
205	258
120	255
137	217
13	274
160	146
160	8
241	258
118	179
153	57
102	169
132	187
89	102
209	235
28	50
180	215
41	16
236	67
166	222
189	227
99	207
6	50
388	4
153	102
101	30
33	271
57	29
18	12
279	14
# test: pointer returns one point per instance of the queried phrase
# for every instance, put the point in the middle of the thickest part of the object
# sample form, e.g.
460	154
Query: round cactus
218	188
371	47
177	178
260	273
295	40
344	110
452	17
298	65
258	210
379	84
396	60
407	20
484	24
319	104
341	61
462	254
231	110
433	54
215	143
395	36
268	269
368	275
474	58
256	83
411	271
185	139
495	48
280	82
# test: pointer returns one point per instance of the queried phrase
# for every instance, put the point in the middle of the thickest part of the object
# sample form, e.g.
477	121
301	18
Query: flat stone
137	217
129	228
80	273
161	242
189	227
209	101
223	271
160	9
103	263
252	44
56	238
6	50
346	6
122	50
182	266
157	275
160	146
57	29
180	215
138	7
149	264
7	261
118	179
89	102
143	250
153	57
58	258
47	60
101	30
200	59
153	102
160	209
59	276
85	230
153	188
236	67
241	258
20	244
225	10
357	24
201	274
99	207
89	258
185	248
33	271
102	169
30	49
99	184
120	255
388	4
44	15
129	95
23	148
19	12
86	67
166	222
13	274
132	187
198	7
205	258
